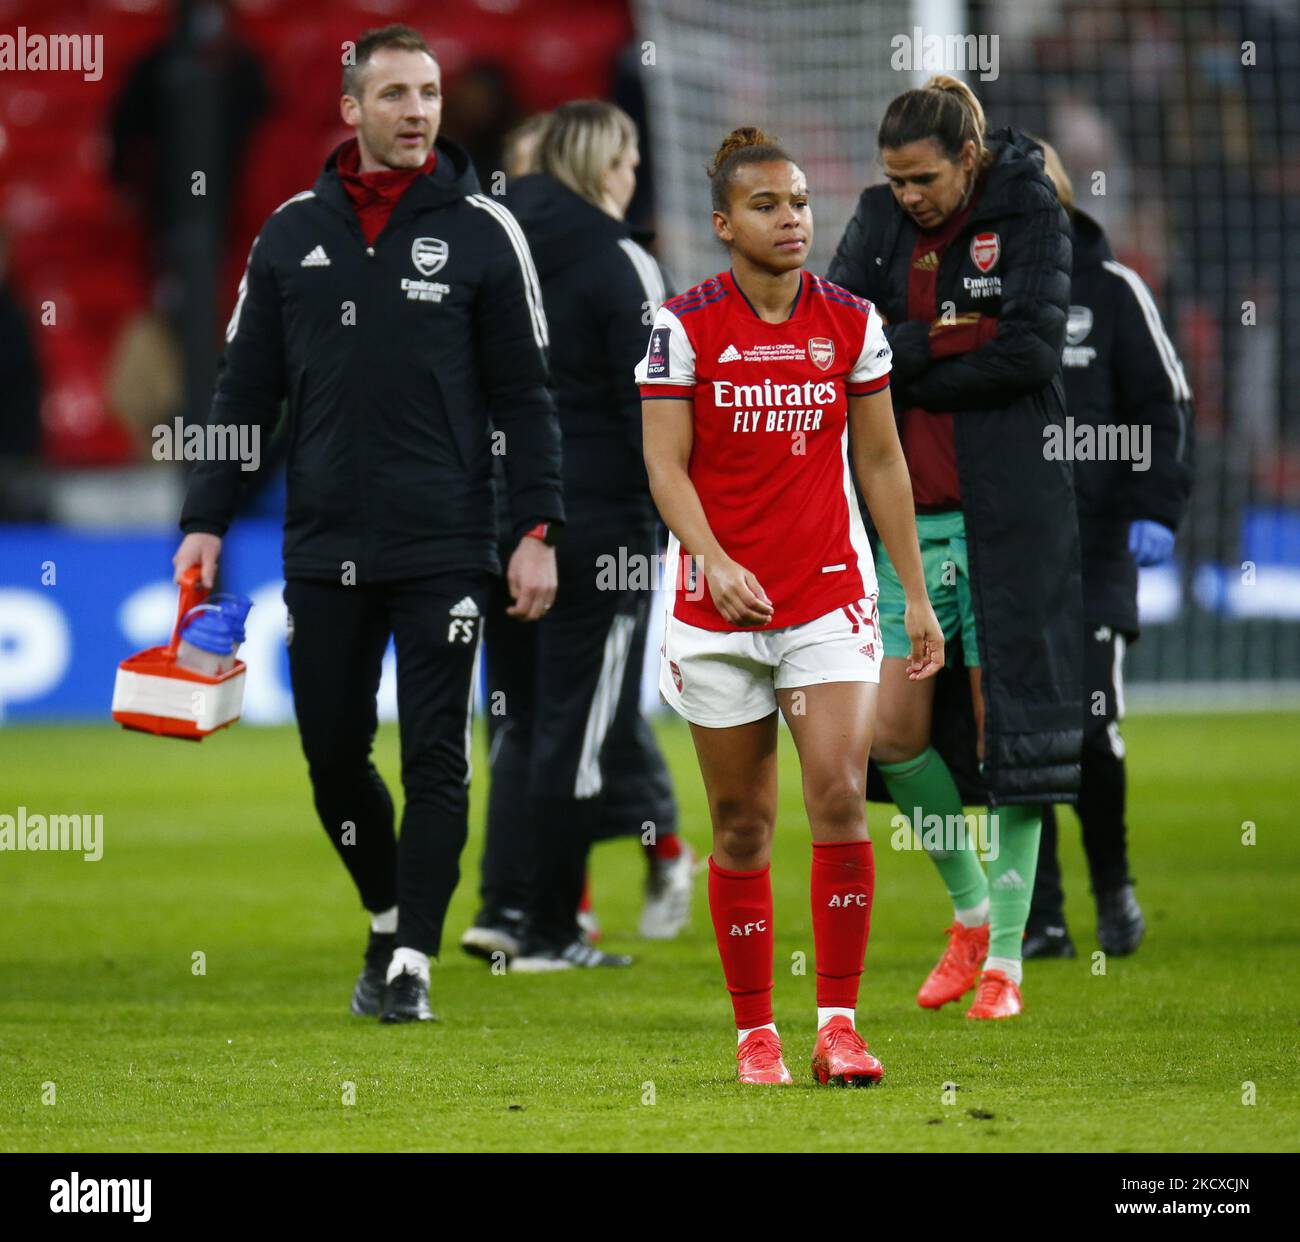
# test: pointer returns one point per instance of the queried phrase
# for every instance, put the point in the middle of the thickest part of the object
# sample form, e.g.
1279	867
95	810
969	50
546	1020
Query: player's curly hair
945	110
746	145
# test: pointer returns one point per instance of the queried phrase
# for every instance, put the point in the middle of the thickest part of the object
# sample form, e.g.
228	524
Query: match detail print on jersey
770	459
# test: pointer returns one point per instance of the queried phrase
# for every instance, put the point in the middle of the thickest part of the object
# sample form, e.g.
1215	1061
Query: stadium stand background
1202	162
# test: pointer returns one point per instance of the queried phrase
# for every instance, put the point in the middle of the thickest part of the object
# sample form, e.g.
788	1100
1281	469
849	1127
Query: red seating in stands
74	242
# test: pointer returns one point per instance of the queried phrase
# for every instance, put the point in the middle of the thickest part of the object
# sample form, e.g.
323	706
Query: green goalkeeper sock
924	786
1011	877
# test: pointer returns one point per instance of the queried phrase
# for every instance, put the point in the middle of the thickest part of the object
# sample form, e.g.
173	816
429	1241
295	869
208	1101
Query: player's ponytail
746	145
943	110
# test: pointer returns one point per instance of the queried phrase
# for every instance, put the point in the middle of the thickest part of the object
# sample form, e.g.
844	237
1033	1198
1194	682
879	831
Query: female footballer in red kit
757	386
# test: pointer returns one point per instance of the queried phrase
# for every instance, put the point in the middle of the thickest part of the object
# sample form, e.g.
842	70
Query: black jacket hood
1091	248
1016	156
562	226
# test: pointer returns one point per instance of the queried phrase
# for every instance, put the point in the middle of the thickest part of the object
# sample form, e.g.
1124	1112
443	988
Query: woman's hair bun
738	140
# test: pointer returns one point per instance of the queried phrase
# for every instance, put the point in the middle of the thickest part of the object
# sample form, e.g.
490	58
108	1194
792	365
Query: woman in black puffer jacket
966	253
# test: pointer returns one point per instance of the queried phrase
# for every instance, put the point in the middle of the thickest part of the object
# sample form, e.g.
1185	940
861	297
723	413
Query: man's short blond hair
398	35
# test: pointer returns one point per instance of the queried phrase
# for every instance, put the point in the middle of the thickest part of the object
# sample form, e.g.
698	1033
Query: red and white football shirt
770	459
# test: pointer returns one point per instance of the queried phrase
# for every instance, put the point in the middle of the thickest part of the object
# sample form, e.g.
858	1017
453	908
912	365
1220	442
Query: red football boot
958	968
840	1056
998	997
760	1059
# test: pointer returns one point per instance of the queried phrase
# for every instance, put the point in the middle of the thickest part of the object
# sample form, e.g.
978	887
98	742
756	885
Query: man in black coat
1131	424
397	312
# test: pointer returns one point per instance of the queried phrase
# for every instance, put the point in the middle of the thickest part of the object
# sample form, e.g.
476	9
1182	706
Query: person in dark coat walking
1130	407
568	742
966	252
396	312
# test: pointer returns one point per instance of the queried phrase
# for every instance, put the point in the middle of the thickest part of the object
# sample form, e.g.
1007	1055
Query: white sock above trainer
976	916
825	1015
408	959
385	922
1012	967
743	1035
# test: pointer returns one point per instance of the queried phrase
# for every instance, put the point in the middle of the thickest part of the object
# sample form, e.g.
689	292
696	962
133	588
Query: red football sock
741	905
584	902
665	846
843	886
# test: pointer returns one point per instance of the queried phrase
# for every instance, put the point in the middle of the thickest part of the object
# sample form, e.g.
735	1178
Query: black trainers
406	999
1120	925
368	995
1047	940
537	960
494	932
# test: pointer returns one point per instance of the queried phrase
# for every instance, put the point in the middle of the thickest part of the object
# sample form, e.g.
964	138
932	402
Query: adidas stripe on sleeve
532	286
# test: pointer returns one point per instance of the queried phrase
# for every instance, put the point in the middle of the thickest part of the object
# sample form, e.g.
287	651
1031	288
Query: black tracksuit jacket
404	367
598	286
601	292
1121	368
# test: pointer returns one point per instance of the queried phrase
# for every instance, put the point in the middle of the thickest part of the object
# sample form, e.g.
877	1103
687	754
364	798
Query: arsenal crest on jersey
429	254
1078	325
822	351
985	251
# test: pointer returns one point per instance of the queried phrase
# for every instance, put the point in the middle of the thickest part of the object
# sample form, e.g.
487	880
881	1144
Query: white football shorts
721	679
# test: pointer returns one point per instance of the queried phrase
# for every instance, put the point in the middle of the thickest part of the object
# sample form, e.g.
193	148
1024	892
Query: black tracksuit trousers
337	638
572	758
1102	792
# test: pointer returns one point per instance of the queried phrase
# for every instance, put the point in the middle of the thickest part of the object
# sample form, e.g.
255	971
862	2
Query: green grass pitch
215	849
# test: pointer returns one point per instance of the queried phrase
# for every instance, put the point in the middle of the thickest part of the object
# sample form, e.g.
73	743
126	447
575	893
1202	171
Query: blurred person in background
22	491
153	171
519	150
967	252
570	685
628	91
1120	370
481	111
638	790
179	134
389	523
